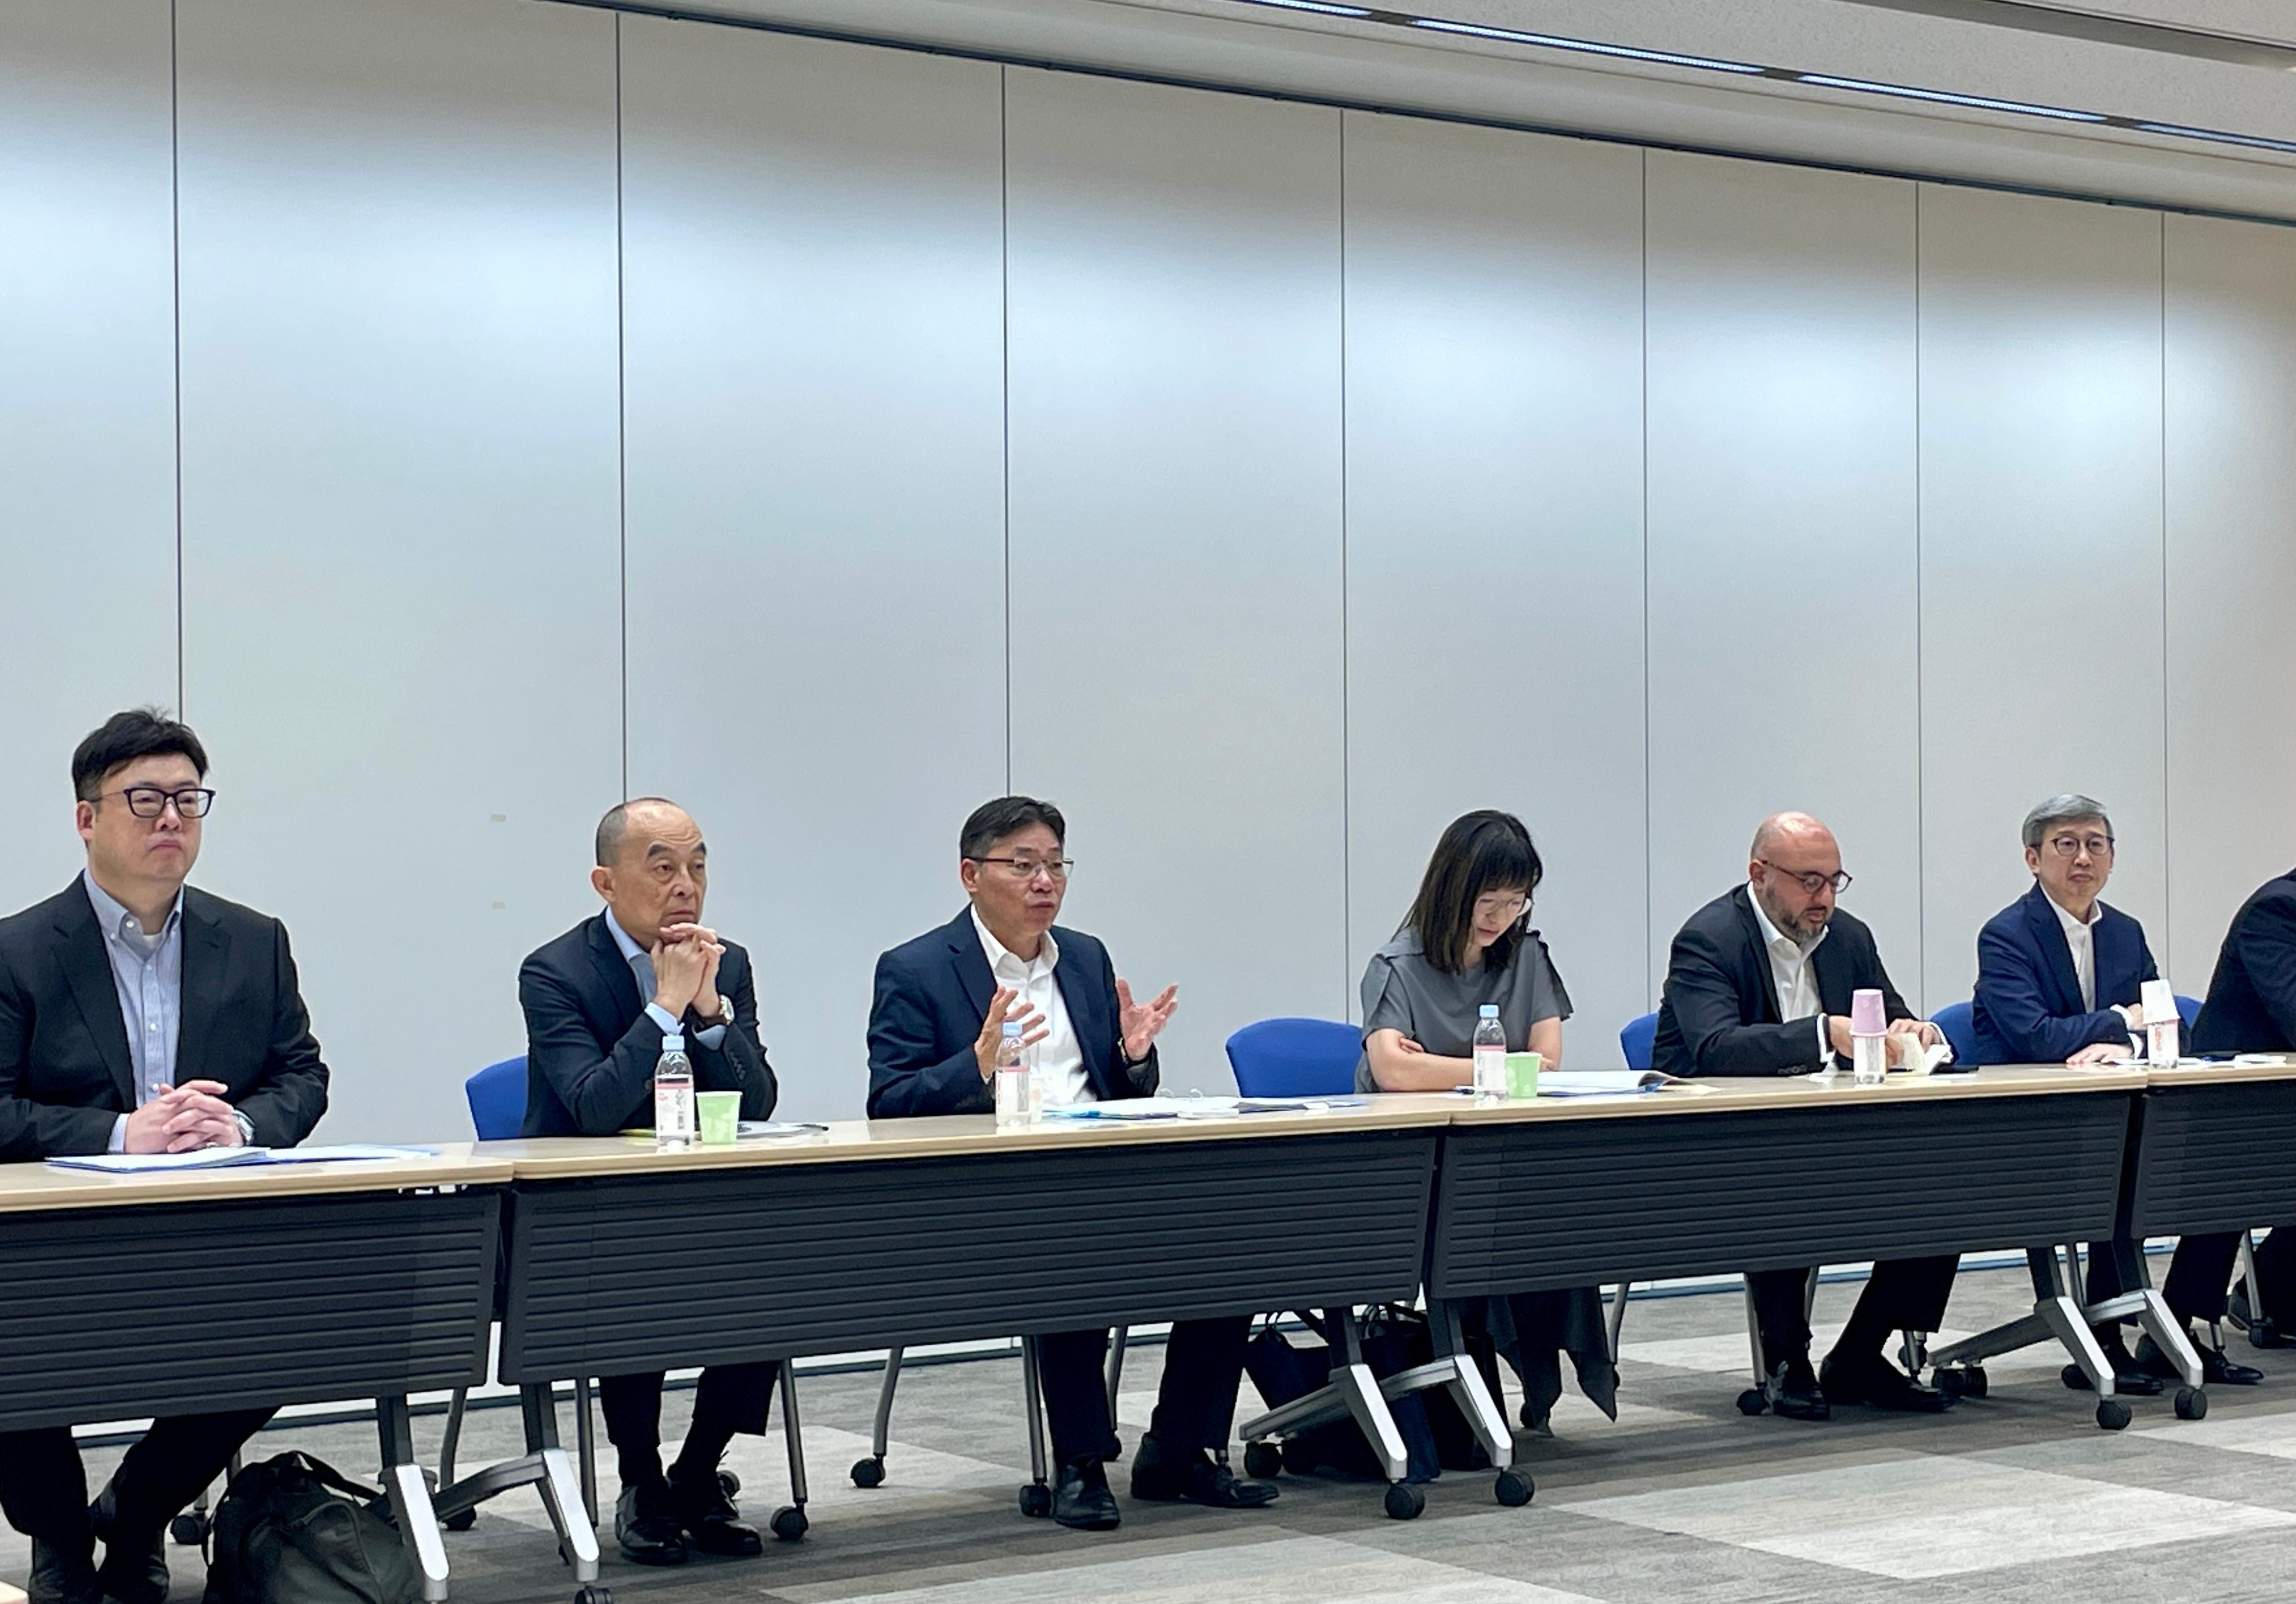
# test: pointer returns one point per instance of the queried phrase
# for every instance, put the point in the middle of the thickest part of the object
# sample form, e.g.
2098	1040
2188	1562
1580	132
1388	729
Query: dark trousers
44	1485
728	1398
1903	1295
1195	1404
2200	1271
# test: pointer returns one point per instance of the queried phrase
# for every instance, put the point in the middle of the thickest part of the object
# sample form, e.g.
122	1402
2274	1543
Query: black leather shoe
2128	1381
1161	1476
705	1509
1794	1392
646	1527
2216	1368
1081	1498
135	1568
60	1576
1870	1379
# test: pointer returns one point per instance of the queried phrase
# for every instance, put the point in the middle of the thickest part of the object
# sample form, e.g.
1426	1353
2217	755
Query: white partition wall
814	327
398	498
1175	653
88	468
1782	604
1495	531
2231	465
2041	610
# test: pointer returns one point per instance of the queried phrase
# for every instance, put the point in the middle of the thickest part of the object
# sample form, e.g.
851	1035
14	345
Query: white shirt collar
622	938
2096	912
1772	937
1048	953
111	914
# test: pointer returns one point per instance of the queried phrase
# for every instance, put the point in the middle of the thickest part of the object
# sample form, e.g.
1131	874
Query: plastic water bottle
2163	1023
1011	1078
1490	1055
673	1096
1869	1046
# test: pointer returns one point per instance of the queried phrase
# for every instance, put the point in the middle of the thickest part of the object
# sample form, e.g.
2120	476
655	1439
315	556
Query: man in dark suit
1760	983
2058	978
139	1016
599	1000
2250	1007
941	1003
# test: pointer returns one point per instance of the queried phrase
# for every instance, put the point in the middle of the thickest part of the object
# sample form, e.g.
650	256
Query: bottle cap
2159	1001
673	1042
1490	1010
1011	1027
1865	1017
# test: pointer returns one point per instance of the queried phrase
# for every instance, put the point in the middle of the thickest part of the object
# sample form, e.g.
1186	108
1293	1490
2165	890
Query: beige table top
1717	1094
2218	1075
36	1186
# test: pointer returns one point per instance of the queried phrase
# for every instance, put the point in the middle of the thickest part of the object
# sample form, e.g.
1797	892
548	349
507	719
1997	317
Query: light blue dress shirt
641	963
147	971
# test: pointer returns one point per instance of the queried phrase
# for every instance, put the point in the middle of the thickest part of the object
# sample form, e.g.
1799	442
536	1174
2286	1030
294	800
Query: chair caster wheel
1404	1501
2112	1414
1298	1457
596	1592
869	1472
2192	1404
1514	1488
1751	1401
1969	1381
461	1520
1262	1459
1979	1382
789	1523
2263	1334
188	1528
1036	1500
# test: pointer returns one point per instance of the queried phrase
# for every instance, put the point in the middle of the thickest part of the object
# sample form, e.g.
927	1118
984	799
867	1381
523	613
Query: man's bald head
1788	830
653	866
641	815
1795	865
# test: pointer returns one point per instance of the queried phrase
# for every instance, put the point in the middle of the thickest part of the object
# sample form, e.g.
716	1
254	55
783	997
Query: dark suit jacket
1720	1012
65	1072
2252	1002
931	996
590	1047
2028	1008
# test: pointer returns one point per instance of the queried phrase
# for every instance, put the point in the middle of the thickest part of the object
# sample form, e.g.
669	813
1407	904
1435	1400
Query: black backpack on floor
292	1530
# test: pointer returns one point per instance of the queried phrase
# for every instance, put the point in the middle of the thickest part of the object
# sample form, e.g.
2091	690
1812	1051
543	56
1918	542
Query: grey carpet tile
1681	1501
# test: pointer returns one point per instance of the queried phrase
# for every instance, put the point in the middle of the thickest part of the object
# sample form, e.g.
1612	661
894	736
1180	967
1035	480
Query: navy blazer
2252	1002
1719	1015
2028	1008
590	1047
65	1071
931	997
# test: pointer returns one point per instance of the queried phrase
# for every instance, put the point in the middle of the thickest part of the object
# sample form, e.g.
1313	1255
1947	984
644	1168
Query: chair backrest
1295	1058
1958	1021
1638	1040
497	1095
2189	1010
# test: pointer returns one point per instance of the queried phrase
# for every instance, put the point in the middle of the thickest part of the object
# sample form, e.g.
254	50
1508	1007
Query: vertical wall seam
621	413
1650	888
175	296
1920	696
1347	753
2167	773
1004	341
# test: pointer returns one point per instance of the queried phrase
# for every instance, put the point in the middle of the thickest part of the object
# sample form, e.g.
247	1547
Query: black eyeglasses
149	801
1028	869
1812	882
2073	846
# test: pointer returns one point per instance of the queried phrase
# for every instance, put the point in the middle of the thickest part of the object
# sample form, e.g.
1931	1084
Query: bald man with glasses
1758	983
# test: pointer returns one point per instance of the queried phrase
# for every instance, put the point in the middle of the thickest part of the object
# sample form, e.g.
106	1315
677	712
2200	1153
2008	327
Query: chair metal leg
585	1446
454	1437
1617	1317
879	1436
1116	1342
1032	1388
411	1508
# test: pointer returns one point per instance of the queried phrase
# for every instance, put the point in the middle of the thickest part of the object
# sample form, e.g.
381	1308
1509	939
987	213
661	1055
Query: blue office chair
1638	1040
1295	1058
2189	1010
497	1099
1958	1021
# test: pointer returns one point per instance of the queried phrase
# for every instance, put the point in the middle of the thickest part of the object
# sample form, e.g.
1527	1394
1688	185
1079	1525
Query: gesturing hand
1139	1021
1006	1004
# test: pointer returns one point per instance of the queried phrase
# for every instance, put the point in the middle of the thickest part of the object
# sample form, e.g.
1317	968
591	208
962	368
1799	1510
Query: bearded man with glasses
114	1038
1758	982
941	1003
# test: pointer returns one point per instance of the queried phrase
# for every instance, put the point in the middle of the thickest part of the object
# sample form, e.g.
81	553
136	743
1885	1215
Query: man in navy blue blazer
942	1002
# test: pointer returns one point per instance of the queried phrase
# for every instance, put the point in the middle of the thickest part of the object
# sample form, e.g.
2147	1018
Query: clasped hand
182	1118
685	958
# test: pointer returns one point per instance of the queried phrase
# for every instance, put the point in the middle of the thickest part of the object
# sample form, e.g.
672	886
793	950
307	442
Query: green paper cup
720	1114
1522	1075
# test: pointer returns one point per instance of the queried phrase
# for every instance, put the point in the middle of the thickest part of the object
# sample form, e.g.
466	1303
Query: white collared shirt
2082	938
1793	974
1059	1057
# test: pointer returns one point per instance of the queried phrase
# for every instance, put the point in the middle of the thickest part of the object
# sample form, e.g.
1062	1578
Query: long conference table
307	1283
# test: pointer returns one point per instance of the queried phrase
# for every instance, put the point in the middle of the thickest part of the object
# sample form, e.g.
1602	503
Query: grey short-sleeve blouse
1403	992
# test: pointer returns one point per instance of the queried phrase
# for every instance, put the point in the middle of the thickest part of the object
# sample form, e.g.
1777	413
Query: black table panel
1570	1203
118	1313
2215	1157
721	1265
